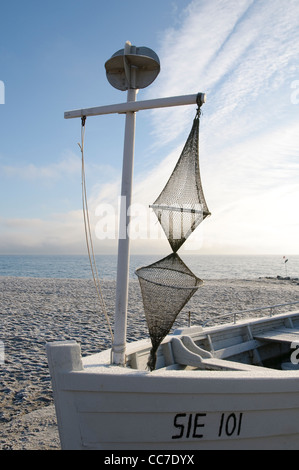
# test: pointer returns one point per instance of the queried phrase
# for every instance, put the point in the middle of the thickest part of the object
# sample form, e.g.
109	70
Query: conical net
181	205
166	286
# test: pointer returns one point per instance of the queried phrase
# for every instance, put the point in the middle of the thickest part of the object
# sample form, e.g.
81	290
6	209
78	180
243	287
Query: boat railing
241	312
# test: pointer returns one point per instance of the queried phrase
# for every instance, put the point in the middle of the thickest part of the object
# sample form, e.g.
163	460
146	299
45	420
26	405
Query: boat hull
100	406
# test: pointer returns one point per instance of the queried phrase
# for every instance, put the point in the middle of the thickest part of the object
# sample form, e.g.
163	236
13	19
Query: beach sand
35	311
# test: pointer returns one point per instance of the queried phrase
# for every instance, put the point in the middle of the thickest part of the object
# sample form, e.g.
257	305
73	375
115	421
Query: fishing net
181	206
166	286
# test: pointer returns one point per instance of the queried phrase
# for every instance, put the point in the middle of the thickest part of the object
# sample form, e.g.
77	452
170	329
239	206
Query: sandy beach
35	311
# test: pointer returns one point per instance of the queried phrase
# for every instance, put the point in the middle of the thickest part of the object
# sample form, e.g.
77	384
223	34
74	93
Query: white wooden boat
210	388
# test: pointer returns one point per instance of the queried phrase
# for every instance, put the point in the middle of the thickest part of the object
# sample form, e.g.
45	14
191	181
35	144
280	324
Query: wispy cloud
67	166
238	52
244	55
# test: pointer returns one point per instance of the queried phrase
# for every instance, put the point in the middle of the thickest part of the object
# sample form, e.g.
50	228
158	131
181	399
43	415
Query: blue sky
242	53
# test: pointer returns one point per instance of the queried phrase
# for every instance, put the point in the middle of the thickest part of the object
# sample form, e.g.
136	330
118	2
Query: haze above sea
204	266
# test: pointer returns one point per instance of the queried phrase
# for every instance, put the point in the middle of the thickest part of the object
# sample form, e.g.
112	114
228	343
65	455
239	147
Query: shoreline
34	311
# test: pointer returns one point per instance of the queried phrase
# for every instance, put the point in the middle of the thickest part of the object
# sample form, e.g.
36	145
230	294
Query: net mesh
166	286
181	206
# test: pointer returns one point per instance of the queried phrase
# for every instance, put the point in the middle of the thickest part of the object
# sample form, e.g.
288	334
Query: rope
88	236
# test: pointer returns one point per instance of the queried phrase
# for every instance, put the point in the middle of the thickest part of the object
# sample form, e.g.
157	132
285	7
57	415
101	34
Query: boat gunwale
100	362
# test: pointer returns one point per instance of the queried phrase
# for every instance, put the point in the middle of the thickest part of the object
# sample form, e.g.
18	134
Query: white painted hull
107	407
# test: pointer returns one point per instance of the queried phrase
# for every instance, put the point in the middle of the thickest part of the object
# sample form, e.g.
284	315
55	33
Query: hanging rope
88	236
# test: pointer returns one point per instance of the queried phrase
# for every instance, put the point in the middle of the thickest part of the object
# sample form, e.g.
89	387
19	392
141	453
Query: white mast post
123	260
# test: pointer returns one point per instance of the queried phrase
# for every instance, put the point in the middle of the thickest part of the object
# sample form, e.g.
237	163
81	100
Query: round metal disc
145	63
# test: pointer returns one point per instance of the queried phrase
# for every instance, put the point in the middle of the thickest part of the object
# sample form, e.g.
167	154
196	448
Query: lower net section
166	287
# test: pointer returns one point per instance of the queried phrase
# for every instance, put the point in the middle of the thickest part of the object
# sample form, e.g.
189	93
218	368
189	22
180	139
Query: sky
242	53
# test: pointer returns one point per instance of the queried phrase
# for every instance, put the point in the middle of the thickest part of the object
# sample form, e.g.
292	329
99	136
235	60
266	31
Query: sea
203	266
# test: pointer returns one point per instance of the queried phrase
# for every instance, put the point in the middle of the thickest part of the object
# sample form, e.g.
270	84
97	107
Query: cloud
244	55
69	165
238	52
60	233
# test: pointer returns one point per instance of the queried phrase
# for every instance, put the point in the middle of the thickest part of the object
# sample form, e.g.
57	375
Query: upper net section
181	206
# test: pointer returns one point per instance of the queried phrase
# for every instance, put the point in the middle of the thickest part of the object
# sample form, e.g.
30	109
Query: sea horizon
205	266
